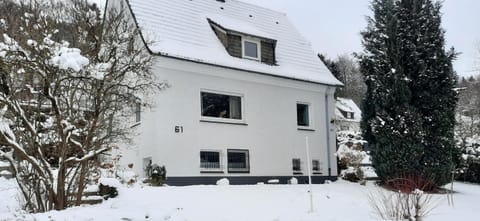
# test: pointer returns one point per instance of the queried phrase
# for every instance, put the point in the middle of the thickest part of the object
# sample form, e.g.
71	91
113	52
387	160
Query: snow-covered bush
409	201
110	167
108	187
352	174
156	175
223	182
293	181
469	169
273	181
350	155
127	176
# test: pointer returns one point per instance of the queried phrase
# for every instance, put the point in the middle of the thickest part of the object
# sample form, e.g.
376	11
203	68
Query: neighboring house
246	90
348	115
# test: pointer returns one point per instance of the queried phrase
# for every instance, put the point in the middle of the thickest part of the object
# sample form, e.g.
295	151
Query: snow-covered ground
340	201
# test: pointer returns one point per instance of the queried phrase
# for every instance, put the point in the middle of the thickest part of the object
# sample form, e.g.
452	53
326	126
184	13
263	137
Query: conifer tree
409	110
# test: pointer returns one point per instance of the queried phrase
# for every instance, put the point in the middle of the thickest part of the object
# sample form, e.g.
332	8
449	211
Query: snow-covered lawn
340	201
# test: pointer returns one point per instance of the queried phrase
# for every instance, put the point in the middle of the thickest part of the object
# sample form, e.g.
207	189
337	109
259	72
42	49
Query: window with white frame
251	48
210	160
238	161
303	115
221	106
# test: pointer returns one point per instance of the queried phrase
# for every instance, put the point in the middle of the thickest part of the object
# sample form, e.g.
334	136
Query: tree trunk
81	183
60	203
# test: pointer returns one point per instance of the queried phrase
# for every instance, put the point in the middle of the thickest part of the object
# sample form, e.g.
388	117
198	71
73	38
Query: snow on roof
181	29
347	105
238	26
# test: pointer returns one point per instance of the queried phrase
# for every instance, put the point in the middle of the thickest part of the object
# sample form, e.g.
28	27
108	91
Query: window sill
136	124
297	173
211	171
223	122
317	173
305	129
239	171
251	58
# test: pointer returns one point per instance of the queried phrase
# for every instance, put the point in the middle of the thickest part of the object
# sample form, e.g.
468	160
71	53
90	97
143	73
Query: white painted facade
268	130
268	127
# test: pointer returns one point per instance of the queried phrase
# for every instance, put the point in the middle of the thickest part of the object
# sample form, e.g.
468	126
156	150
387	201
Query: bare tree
66	94
355	86
409	202
346	69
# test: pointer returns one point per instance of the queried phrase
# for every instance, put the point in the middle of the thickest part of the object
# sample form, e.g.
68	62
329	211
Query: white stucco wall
271	134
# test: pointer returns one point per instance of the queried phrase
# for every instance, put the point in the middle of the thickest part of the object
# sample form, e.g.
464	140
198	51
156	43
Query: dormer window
244	43
251	49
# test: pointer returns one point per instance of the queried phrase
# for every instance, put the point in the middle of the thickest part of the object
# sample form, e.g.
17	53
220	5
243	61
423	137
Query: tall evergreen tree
409	109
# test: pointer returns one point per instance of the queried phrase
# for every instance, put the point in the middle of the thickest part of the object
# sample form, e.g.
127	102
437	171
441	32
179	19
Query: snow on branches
66	91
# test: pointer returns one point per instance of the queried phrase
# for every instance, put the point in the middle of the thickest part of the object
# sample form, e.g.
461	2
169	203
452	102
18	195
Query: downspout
327	132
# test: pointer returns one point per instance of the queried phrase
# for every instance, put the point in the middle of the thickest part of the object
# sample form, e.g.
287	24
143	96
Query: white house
246	90
348	115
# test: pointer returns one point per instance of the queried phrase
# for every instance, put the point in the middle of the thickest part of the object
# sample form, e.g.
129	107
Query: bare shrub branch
68	85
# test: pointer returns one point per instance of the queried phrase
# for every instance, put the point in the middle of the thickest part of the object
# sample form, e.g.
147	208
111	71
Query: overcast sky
333	26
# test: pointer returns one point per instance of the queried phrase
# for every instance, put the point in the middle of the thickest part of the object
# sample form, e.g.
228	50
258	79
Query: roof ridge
258	6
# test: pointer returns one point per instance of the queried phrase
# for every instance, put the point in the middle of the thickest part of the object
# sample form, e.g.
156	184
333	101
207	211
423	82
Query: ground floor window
210	159
296	165
238	161
315	165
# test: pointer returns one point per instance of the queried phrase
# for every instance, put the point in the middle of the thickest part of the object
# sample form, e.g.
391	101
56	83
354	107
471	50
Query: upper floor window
303	118
221	106
249	44
251	49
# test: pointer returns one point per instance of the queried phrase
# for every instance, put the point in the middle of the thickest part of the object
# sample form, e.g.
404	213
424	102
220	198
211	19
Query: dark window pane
296	165
315	165
251	49
221	106
302	115
238	160
138	110
209	159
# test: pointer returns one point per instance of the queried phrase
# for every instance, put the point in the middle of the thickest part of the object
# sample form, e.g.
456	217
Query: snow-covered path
339	201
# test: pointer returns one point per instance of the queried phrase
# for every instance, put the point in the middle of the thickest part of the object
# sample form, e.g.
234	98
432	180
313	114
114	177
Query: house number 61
178	129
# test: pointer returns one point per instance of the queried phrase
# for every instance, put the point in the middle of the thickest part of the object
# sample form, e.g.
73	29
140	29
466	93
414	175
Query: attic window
251	49
245	42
